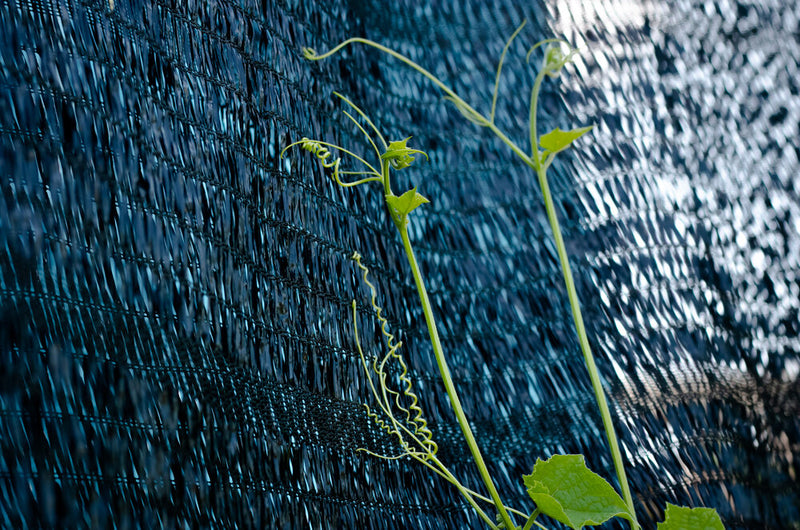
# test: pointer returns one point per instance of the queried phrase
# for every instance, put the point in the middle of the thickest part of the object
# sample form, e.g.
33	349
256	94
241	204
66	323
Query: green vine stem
450	388
397	155
586	349
542	162
411	430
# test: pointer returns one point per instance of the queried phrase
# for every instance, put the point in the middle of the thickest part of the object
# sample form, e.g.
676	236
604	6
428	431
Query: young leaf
683	518
397	148
566	490
558	140
406	203
400	155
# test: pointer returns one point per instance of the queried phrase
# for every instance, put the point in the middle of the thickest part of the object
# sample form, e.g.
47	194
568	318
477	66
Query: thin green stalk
448	380
532	520
537	84
387	184
577	317
500	68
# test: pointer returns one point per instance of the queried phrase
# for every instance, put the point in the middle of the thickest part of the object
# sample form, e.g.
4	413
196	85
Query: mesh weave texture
176	348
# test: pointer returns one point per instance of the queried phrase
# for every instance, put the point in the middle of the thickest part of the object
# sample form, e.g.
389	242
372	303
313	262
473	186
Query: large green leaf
566	490
683	518
558	140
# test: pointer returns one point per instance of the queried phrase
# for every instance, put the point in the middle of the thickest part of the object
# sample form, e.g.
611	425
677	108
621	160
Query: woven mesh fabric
176	348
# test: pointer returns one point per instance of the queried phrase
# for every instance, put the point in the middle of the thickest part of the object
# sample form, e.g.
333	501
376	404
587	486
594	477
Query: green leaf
683	518
566	490
400	155
406	203
558	140
396	148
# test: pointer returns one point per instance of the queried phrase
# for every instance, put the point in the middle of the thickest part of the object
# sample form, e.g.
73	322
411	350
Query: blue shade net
176	345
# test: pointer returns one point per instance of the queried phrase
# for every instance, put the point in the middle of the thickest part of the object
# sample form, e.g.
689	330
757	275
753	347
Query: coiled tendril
413	428
322	150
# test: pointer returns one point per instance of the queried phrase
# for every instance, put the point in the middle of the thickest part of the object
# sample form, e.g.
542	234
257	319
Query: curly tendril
414	425
322	150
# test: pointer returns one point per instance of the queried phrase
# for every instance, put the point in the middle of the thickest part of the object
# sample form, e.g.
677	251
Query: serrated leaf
406	203
683	518
558	140
566	490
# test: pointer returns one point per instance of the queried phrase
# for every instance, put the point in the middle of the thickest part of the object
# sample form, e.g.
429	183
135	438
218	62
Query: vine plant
561	487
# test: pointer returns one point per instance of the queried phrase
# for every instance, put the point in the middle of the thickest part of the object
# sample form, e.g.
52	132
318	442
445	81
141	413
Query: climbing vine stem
447	379
594	375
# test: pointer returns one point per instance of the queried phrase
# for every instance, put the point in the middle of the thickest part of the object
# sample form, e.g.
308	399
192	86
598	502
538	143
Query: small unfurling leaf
399	155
